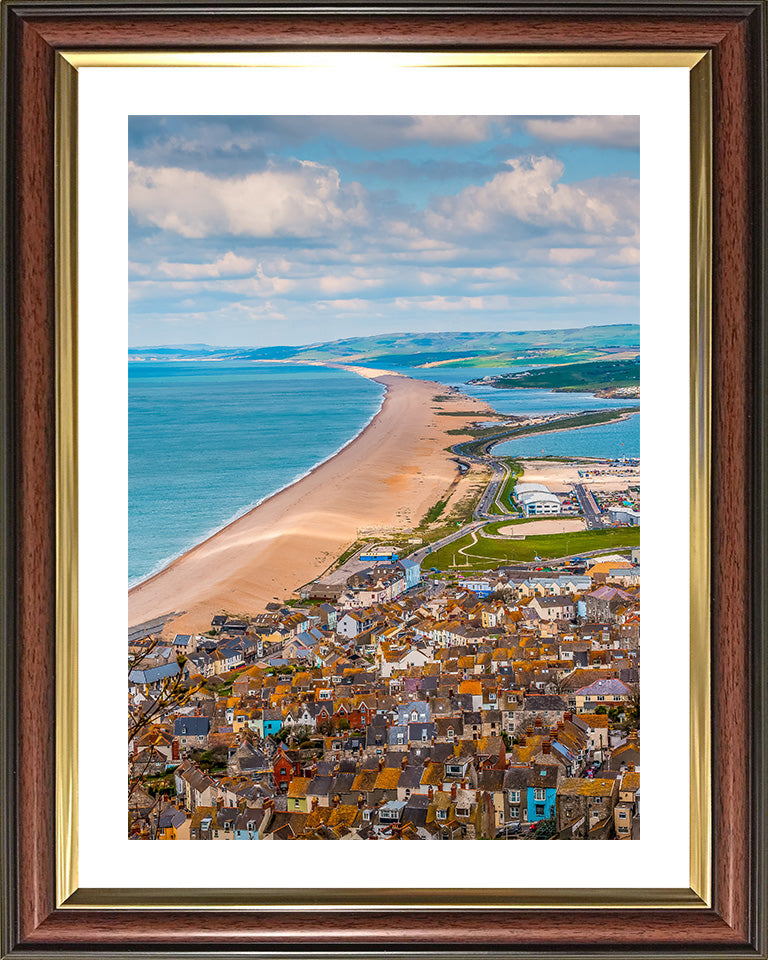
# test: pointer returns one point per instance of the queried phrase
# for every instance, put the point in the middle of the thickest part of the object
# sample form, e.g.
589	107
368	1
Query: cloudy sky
289	230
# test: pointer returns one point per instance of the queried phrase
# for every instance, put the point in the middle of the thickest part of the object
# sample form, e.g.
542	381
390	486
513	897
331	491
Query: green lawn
516	470
488	553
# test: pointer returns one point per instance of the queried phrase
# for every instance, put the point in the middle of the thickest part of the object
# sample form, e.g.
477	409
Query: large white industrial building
536	500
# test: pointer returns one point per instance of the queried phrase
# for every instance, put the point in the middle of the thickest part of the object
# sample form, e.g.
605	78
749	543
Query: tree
344	724
602	709
633	711
507	740
173	693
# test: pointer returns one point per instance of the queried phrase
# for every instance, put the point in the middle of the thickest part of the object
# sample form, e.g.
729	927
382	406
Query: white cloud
626	256
529	192
305	200
229	264
610	131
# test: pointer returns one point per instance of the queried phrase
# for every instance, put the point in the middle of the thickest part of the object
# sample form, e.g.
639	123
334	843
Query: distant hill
522	347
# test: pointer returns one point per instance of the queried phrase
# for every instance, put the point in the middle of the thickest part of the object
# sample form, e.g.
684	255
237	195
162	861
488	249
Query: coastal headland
388	477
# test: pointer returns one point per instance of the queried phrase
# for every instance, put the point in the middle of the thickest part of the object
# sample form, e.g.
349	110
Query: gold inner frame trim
68	893
243	58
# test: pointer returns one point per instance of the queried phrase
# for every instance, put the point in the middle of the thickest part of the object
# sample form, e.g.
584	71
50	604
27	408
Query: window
366	814
462	811
450	731
514	796
442	814
538	793
514	812
539	809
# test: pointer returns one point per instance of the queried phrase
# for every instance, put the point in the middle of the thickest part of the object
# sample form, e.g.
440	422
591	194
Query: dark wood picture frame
735	33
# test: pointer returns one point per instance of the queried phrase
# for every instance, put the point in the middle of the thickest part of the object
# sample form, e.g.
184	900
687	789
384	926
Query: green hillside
525	347
592	375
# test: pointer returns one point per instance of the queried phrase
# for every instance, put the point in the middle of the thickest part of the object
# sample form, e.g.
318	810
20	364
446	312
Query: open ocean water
209	440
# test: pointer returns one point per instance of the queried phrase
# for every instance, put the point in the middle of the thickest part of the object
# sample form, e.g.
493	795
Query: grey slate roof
191	727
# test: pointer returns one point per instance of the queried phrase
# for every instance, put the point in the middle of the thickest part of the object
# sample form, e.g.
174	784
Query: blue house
482	588
273	722
542	790
412	573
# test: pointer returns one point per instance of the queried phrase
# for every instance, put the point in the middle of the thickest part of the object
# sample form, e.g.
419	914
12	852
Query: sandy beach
387	477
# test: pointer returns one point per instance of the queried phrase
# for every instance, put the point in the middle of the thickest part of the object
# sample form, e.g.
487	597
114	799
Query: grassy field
489	553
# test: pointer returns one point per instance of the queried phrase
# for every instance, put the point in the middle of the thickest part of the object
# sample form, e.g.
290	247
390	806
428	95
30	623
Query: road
496	483
593	518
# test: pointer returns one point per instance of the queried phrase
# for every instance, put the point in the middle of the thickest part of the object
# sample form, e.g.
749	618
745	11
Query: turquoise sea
208	441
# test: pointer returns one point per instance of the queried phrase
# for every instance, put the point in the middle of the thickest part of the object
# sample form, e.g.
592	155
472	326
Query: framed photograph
388	284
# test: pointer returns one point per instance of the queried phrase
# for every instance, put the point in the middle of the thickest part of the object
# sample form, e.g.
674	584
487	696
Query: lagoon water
209	440
610	440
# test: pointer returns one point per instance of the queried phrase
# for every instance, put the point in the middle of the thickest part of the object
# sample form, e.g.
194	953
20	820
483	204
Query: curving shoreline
387	476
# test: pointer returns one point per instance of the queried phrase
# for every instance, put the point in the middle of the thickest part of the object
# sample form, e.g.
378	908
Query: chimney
381	763
336	800
453	791
568	717
360	801
522	742
314	804
529	731
404	763
631	767
546	747
431	793
538	722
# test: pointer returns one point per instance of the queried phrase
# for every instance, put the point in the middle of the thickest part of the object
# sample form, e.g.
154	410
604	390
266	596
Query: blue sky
289	230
